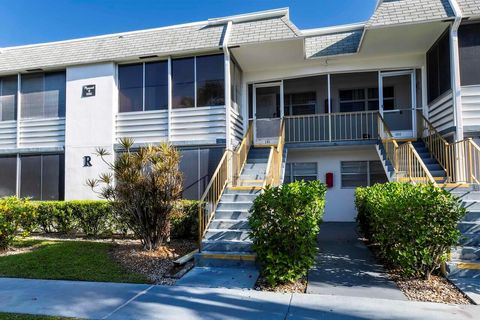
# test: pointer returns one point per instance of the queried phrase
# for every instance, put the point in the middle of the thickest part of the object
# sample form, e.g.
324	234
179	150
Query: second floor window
43	95
206	74
8	98
143	86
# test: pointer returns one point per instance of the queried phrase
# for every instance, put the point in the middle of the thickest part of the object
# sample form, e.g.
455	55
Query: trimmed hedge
414	225
285	222
16	215
93	218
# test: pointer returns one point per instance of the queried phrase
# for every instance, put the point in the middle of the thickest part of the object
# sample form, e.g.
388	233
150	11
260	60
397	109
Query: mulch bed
299	286
438	289
157	265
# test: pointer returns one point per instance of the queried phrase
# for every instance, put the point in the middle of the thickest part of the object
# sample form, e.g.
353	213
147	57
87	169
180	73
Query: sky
36	21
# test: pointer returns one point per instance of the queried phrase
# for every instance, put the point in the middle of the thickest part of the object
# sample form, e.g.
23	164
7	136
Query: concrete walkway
89	300
346	267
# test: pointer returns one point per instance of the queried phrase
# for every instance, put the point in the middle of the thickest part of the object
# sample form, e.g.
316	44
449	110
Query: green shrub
184	220
15	215
56	216
285	222
94	217
414	225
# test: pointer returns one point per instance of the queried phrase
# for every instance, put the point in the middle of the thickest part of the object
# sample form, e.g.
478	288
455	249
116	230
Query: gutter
250	16
455	70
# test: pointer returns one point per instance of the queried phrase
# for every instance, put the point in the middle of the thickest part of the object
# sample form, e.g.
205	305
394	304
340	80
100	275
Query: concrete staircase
430	162
464	267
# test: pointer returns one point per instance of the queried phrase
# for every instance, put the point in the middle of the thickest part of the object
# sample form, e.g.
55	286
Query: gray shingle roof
276	28
469	7
391	12
332	44
112	47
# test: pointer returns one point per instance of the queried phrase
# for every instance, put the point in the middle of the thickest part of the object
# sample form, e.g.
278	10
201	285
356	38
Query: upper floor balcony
336	109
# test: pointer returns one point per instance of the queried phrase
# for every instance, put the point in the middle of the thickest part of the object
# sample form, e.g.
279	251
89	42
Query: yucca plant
143	187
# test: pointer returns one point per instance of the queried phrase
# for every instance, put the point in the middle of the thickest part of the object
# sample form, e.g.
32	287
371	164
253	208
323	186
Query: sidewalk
346	267
128	301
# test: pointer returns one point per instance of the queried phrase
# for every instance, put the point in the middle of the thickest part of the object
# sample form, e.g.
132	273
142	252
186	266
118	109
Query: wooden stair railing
407	164
239	157
274	166
461	159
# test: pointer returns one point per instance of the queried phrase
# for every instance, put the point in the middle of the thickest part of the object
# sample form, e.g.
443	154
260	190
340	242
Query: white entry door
398	102
268	112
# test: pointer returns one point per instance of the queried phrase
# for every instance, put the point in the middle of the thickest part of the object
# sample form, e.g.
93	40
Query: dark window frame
469	51
438	67
290	175
367	98
15	98
144	86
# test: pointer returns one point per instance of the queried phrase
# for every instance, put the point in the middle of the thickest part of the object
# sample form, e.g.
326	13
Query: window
8	98
300	103
43	95
42	177
183	78
300	171
8	172
469	44
361	173
438	68
352	100
236	86
206	74
210	81
143	86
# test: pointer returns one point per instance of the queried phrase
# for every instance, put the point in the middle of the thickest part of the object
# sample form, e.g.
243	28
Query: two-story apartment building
200	86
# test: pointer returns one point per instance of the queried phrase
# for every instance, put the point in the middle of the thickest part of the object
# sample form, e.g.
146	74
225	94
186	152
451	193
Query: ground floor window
300	171
41	177
361	173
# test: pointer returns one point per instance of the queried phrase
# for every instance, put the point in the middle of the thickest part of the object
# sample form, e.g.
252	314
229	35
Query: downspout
455	70
228	100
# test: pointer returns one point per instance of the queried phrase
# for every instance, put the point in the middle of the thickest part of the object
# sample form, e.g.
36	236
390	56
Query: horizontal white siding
471	108
143	127
441	113
236	127
8	134
198	125
37	133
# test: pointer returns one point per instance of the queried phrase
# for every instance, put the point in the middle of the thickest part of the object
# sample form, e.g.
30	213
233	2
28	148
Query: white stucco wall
89	125
340	202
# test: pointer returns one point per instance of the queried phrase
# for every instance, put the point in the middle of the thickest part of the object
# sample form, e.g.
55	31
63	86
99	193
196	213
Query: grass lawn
66	260
16	316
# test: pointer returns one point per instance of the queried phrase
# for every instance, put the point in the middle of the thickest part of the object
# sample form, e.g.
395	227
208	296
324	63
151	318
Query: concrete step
466	194
466	253
257	160
261	167
463	269
235	191
252	183
225	234
238	197
470	239
471	205
438	173
223	259
434	167
252	176
230	224
472	216
232	214
472	227
428	161
227	246
237	205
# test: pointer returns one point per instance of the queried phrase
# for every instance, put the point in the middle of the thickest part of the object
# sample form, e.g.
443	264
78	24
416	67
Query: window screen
156	85
8	174
42	177
210	81
300	171
8	98
43	95
183	79
236	86
130	83
469	44
352	100
361	173
438	68
300	103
